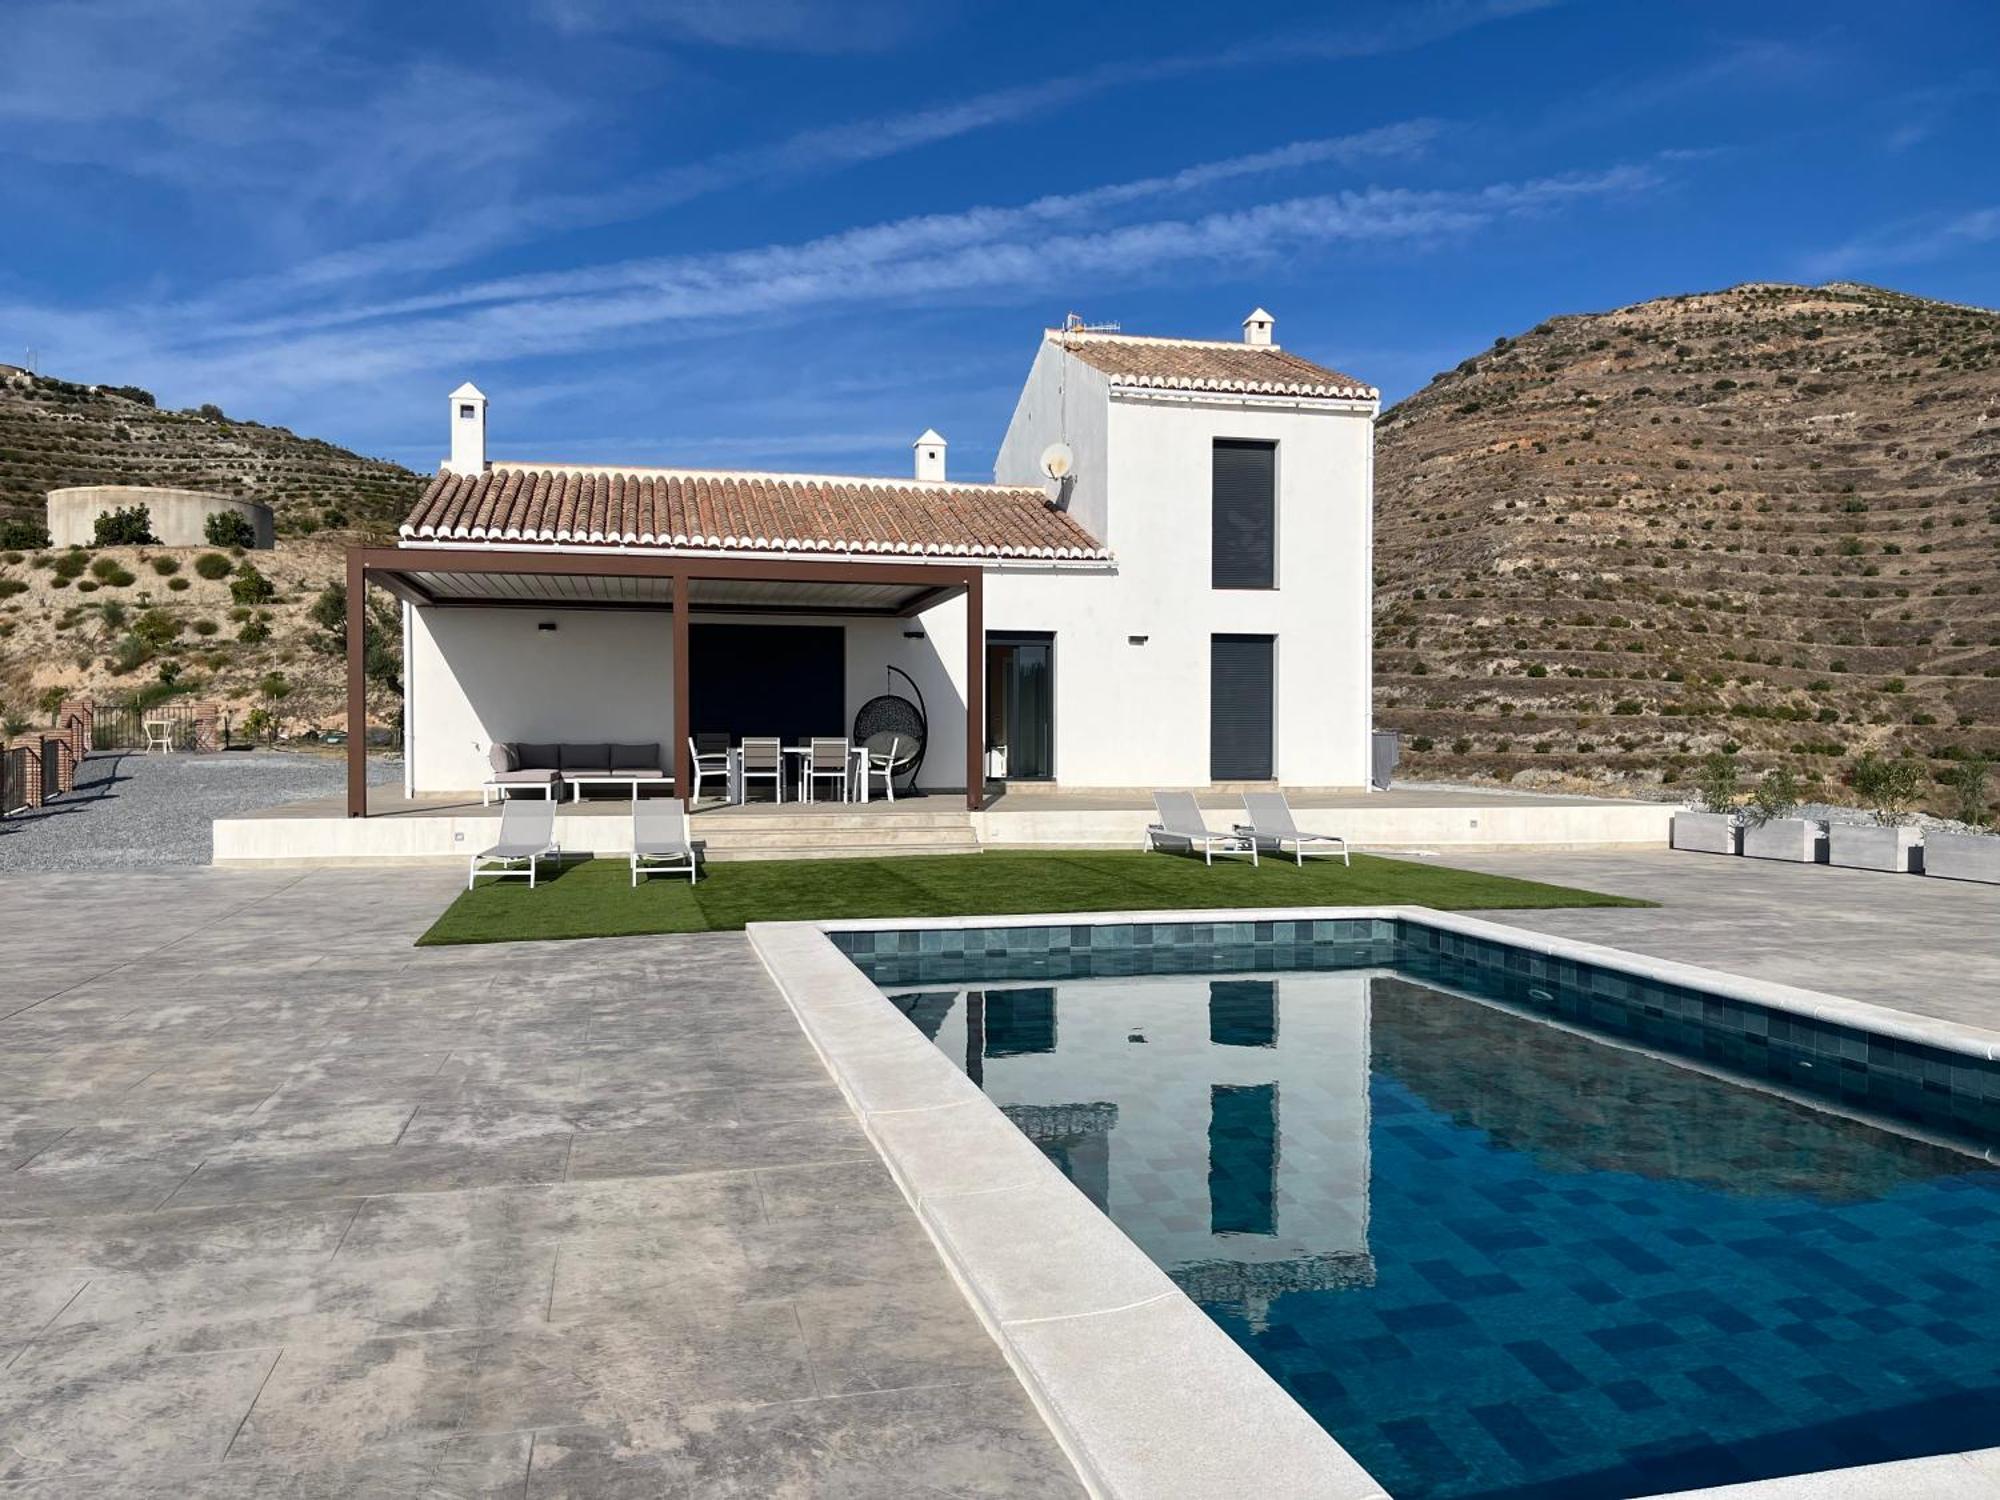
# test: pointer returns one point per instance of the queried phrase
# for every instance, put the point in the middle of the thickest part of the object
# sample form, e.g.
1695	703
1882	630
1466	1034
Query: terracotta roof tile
1193	364
747	512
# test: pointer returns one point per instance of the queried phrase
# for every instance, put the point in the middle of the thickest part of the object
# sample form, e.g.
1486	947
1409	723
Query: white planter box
1704	833
1963	856
1794	839
1859	846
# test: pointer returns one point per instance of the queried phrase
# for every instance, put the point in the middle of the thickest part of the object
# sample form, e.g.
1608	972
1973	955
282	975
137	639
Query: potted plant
1965	856
1887	787
1769	829
1714	828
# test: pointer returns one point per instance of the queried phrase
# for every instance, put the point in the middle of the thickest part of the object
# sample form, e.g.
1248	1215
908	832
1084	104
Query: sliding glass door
1020	707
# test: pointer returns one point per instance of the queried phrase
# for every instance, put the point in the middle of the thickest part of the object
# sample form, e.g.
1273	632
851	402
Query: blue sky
793	233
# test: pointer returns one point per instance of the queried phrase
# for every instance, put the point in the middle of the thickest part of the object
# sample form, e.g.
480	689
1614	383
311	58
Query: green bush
72	563
251	587
29	536
165	566
178	585
1777	794
1886	786
212	565
1715	782
9	587
227	529
129	527
205	627
253	633
130	655
156	627
1967	784
83	585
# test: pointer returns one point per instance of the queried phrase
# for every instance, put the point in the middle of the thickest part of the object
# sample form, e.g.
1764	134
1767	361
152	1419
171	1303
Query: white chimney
930	454
1257	327
468	430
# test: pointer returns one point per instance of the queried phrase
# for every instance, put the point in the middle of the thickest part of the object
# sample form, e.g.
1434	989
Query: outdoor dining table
858	776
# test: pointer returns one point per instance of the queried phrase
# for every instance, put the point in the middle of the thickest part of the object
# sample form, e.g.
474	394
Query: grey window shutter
1240	704
1243	515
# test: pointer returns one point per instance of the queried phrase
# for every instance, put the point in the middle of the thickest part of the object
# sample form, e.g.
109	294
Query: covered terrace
439	579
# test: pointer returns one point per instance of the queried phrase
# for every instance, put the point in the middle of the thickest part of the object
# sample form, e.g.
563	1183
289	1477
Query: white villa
1167	584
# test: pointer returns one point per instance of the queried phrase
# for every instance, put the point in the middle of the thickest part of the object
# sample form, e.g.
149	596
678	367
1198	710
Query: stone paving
1931	947
290	1206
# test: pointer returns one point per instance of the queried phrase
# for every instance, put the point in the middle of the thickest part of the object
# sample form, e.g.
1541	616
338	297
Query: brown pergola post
357	686
975	689
683	695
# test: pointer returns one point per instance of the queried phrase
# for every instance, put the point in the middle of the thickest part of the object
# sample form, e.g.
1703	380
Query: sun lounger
660	840
1271	826
1181	826
527	835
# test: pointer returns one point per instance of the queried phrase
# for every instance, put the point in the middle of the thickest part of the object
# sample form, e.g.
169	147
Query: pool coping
1144	1392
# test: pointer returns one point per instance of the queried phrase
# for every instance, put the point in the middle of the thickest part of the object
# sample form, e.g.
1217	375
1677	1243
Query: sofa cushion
502	757
586	757
532	757
640	773
635	757
523	778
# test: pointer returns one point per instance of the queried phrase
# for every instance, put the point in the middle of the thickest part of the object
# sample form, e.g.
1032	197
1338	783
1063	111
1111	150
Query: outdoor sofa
527	765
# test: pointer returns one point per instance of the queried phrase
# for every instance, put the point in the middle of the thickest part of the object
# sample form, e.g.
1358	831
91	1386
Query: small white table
610	778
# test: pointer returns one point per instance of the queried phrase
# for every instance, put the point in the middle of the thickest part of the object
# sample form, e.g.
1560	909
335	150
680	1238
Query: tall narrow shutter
1243	515
1240	701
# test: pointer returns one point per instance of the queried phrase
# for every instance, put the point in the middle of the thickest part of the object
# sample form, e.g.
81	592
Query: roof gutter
986	561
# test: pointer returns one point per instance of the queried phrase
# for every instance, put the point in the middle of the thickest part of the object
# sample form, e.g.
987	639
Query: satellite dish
1057	460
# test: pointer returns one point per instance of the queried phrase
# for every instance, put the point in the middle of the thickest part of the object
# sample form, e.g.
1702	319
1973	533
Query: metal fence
13	779
122	726
52	751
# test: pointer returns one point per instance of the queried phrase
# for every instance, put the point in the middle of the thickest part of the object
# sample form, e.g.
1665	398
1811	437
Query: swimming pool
1505	1223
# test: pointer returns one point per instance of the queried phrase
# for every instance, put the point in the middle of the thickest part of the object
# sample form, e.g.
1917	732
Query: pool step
900	849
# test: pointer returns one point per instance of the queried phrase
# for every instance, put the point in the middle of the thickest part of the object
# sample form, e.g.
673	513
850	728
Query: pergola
490	577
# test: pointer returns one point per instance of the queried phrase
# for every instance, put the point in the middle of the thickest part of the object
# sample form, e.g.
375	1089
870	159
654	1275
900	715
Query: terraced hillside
1767	517
54	433
125	622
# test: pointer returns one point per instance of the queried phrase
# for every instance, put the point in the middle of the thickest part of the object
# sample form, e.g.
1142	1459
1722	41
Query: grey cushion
538	757
586	757
502	758
635	757
522	778
640	773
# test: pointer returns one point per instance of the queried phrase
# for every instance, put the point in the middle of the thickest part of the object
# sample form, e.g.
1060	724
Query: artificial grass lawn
594	898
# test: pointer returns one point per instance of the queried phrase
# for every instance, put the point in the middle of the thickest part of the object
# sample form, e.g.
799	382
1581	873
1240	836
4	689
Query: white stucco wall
1131	715
480	675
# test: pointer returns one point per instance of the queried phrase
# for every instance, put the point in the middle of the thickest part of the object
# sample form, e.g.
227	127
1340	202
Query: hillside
1767	517
54	434
132	617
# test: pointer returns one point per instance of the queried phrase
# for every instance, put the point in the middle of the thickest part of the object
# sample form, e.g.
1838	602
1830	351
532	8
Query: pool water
1496	1256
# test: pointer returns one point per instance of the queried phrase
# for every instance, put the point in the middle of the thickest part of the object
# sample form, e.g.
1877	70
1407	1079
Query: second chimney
1257	327
930	454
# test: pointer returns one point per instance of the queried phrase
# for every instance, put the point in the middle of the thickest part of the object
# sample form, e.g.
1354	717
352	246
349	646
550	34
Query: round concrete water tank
178	518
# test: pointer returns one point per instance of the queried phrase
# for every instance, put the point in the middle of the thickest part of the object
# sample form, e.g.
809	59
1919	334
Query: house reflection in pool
1230	1138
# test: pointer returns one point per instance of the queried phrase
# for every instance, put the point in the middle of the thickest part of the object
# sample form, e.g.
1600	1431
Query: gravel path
130	810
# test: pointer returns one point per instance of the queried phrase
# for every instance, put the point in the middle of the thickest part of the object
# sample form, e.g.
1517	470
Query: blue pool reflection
1495	1256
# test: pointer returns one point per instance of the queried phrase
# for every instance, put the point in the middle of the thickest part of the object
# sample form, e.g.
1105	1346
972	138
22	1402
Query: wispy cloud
1910	243
912	262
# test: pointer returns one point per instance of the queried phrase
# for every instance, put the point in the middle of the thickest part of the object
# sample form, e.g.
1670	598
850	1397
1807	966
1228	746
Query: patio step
835	832
902	848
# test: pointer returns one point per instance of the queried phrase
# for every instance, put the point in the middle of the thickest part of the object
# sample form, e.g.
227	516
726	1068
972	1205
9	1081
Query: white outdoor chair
1271	827
527	836
159	736
707	762
889	764
1181	826
660	844
763	760
828	759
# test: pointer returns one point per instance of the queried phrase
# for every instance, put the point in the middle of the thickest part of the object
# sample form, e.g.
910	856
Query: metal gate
122	726
51	768
13	779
